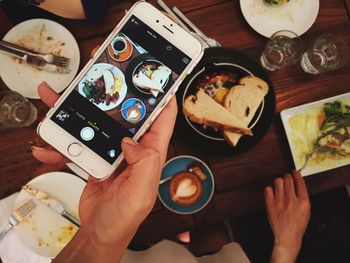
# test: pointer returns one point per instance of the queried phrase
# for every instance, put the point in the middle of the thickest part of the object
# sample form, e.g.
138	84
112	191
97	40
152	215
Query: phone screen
121	89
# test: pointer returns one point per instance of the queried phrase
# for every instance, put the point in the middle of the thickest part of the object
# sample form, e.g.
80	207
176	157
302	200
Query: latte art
133	114
185	188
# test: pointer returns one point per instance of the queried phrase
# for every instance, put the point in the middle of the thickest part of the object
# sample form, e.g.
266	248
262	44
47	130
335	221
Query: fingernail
37	148
129	141
44	84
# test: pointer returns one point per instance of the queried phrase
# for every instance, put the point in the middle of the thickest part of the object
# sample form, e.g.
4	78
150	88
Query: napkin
12	250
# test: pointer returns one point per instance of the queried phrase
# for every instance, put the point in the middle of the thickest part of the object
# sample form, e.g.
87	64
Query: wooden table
239	179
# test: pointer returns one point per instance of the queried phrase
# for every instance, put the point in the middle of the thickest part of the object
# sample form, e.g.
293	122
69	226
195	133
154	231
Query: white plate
25	79
116	72
311	108
44	231
296	16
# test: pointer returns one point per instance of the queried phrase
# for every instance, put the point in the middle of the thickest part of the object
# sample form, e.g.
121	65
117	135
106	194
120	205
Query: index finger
269	197
300	186
166	119
47	94
162	128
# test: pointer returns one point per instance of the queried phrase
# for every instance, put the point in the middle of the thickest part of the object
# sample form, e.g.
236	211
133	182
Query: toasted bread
202	109
243	100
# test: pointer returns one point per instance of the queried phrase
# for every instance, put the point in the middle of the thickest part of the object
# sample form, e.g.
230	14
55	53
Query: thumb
135	152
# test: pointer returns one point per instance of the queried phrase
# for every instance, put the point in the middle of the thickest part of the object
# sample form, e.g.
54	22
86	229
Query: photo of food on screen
126	82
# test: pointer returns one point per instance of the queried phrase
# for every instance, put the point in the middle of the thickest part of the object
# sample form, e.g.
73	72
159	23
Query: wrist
290	244
285	252
85	248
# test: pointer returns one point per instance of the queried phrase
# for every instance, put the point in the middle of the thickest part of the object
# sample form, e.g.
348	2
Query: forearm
83	249
284	254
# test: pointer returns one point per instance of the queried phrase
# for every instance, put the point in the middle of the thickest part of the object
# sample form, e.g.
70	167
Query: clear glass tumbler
283	49
328	52
16	111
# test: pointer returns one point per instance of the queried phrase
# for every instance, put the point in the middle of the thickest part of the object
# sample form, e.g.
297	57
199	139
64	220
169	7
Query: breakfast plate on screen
43	230
227	102
148	75
322	129
43	36
103	85
269	16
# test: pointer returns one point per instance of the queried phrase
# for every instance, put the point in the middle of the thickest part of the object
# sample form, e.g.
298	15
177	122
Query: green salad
335	129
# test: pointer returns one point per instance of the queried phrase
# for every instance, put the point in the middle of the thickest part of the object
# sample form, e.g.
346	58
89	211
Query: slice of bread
202	109
243	100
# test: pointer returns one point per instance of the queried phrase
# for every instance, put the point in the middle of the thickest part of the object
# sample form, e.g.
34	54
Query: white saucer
44	231
25	79
296	15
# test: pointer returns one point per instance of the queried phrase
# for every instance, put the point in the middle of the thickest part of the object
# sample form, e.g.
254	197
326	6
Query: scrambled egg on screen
118	85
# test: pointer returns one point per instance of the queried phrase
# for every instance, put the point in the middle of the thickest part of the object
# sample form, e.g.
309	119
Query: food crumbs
40	242
66	234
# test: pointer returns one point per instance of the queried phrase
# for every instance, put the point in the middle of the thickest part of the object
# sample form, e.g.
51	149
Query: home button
74	149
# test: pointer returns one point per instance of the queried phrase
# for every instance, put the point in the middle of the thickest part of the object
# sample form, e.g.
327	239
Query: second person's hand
288	209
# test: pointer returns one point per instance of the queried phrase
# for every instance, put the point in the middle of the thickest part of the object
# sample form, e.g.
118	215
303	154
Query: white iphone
121	90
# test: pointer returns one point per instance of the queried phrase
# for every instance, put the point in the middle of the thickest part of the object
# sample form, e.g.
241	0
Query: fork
307	159
56	60
48	58
18	215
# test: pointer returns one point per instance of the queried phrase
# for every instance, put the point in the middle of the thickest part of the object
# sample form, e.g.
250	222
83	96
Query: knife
52	203
34	61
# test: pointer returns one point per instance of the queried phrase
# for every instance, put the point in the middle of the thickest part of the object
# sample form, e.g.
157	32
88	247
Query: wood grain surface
239	179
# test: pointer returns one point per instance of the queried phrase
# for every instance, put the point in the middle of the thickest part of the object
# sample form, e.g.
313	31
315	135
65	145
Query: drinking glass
328	52
284	48
16	111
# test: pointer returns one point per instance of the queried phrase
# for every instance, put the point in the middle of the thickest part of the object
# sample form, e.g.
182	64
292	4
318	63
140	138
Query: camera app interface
121	89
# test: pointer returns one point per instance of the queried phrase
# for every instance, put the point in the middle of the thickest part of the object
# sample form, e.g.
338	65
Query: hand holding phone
121	91
114	208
